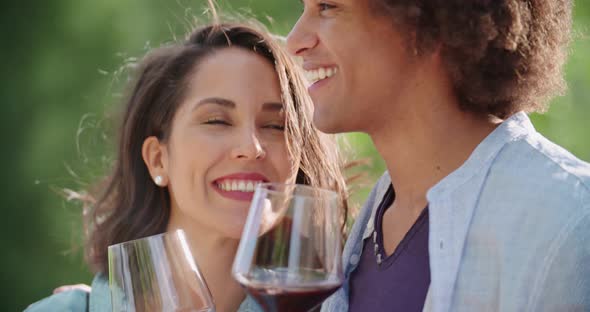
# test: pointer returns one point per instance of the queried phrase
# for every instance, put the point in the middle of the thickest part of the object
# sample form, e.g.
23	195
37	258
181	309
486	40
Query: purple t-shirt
401	281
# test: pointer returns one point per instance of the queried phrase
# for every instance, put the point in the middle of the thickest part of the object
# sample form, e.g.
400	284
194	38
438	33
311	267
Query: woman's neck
214	255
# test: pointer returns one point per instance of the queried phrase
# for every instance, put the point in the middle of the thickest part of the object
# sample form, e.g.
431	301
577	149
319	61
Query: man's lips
315	73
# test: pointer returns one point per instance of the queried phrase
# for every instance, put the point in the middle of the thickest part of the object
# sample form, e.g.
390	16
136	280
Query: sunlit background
61	79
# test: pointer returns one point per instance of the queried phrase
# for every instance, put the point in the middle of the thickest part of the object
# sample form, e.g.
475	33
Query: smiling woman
206	120
222	134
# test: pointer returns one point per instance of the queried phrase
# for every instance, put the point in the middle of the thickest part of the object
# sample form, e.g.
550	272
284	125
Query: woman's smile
239	186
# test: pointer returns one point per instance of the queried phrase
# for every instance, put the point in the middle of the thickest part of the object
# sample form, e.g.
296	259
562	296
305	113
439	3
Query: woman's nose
248	146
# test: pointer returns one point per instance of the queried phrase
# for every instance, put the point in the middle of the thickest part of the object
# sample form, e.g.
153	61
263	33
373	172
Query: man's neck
426	139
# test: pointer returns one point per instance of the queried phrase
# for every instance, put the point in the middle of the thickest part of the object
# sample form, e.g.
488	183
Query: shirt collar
512	129
452	202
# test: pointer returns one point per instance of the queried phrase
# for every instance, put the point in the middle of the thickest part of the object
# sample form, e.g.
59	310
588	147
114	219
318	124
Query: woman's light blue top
98	300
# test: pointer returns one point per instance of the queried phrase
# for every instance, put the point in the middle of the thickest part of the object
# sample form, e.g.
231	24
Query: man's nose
301	38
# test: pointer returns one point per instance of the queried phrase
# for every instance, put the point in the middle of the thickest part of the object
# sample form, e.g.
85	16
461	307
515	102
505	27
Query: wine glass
289	257
157	273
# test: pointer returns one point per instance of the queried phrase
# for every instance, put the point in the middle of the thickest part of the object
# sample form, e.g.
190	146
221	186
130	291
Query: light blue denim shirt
509	229
99	300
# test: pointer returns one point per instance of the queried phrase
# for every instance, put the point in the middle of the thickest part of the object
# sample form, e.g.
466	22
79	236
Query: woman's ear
155	157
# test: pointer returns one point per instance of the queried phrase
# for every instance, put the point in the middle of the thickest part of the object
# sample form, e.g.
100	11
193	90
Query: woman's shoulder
72	300
77	300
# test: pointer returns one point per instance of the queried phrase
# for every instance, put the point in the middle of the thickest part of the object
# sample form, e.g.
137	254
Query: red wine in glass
271	295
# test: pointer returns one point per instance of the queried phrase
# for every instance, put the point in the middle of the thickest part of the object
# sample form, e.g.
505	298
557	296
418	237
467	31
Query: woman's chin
234	229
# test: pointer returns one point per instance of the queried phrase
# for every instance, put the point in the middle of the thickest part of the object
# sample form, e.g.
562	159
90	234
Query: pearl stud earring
158	180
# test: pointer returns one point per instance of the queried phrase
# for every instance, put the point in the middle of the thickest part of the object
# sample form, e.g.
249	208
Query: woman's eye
215	121
275	127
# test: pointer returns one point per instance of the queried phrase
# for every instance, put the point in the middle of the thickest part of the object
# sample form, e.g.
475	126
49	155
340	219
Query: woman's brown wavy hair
128	204
503	56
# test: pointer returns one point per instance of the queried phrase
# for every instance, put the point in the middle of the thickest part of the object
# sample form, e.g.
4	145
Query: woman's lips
239	186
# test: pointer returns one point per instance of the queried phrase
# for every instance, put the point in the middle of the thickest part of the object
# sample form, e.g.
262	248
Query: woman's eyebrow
268	106
272	106
216	100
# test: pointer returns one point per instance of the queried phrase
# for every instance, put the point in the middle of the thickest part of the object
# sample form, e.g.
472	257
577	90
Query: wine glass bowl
157	273
289	258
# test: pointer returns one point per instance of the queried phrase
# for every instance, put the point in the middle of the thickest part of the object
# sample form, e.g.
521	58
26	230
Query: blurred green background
60	65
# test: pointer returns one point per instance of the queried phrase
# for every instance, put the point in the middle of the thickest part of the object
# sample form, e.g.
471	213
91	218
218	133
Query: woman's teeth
318	74
238	185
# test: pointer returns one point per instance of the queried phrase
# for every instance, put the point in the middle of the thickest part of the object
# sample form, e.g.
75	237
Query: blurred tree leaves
61	71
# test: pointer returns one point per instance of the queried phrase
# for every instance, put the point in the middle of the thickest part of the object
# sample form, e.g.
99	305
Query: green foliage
61	75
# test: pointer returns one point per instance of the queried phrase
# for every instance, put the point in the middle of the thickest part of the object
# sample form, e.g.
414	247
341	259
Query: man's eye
325	6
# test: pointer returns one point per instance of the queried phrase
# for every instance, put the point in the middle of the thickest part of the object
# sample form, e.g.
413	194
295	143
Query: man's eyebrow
216	100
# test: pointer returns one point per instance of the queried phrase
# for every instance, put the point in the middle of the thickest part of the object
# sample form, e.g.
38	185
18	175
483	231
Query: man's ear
155	157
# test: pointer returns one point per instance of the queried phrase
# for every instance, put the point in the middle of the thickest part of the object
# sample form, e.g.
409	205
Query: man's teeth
317	74
238	185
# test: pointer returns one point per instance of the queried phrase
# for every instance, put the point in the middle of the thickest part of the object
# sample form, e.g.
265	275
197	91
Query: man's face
357	62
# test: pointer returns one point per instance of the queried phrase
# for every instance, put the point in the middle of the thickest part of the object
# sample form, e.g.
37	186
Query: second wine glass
157	273
289	258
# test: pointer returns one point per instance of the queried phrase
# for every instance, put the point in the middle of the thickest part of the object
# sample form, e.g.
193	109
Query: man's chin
329	123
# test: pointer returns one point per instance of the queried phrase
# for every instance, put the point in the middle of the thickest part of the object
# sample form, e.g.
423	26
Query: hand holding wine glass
289	258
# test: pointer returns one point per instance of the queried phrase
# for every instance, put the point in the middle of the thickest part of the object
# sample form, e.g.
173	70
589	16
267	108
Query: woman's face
226	137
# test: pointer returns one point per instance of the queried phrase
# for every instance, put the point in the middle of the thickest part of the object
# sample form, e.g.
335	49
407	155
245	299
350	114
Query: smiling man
477	210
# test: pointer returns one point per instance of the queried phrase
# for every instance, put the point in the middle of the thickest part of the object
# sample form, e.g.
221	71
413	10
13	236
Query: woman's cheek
283	162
